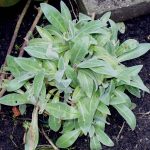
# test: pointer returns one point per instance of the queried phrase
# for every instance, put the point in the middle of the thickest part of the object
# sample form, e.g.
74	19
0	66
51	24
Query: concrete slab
121	9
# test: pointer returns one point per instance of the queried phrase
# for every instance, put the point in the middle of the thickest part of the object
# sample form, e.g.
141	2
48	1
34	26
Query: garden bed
11	129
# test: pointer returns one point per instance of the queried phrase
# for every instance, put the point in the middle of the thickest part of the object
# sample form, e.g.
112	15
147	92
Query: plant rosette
74	74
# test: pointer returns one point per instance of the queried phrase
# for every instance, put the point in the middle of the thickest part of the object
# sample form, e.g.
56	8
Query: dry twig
49	140
118	136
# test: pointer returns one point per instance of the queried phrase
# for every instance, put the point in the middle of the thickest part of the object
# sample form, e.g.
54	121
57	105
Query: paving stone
121	9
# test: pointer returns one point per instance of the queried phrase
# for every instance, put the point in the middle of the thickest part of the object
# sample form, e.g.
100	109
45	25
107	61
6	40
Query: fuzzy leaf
13	67
79	50
68	138
103	137
38	83
138	83
28	64
44	33
32	136
127	114
54	123
86	83
127	46
137	52
14	99
94	143
54	17
90	63
103	108
65	11
62	111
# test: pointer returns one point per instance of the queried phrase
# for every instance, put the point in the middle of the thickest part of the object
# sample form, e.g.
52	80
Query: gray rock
121	9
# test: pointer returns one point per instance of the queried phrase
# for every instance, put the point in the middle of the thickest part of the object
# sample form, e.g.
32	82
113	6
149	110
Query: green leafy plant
74	74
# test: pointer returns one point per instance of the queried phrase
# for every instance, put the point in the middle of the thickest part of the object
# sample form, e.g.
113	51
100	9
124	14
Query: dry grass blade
49	140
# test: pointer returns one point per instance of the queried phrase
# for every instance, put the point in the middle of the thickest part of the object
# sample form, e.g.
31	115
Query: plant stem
49	140
15	34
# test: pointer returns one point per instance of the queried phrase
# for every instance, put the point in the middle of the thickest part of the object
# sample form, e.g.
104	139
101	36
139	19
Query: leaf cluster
74	74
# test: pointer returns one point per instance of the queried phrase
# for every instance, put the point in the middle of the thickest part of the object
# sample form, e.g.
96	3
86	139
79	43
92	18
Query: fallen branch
49	140
26	39
15	34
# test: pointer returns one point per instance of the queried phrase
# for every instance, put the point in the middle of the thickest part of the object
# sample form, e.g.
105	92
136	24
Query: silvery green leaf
54	123
68	138
77	94
137	52
65	12
127	46
134	91
29	64
91	27
38	83
87	108
43	99
90	63
71	73
84	119
105	97
58	76
83	17
91	131
107	70
30	93
121	27
105	18
79	50
61	64
22	109
103	137
19	81
100	120
14	99
114	30
63	84
51	53
138	83
60	47
86	83
38	42
32	136
49	66
128	72
54	31
62	111
103	108
102	39
44	33
54	17
37	51
127	114
102	53
94	143
120	98
68	125
13	67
